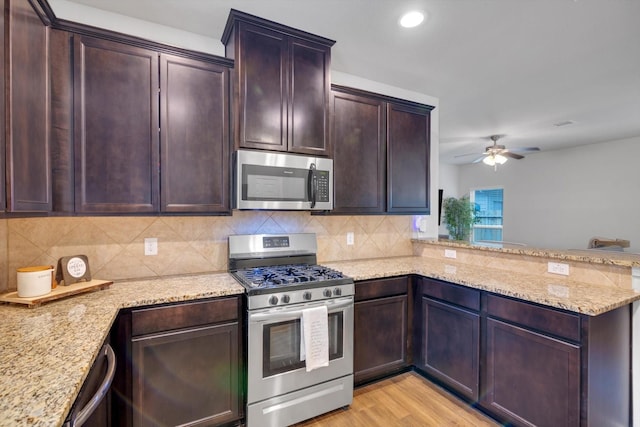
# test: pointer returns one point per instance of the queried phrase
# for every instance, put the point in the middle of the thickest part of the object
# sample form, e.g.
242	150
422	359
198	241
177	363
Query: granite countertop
560	293
46	352
593	256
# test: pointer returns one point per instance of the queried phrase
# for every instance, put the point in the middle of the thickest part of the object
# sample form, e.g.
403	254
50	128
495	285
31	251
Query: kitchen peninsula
47	351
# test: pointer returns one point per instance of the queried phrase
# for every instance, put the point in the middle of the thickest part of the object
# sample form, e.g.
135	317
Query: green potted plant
459	215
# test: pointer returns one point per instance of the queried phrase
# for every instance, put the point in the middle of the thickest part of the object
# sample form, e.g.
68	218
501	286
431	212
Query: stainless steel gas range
288	293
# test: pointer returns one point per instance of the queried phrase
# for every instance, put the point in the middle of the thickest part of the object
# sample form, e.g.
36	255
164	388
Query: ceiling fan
495	154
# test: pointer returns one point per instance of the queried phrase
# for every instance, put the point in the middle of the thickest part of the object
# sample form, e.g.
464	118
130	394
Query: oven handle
289	314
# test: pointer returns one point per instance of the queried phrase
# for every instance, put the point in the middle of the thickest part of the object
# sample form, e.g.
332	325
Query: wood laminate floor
406	400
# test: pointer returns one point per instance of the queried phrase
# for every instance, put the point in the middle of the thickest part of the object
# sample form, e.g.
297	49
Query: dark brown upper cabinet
281	85
358	131
26	112
381	148
116	138
151	130
194	140
408	156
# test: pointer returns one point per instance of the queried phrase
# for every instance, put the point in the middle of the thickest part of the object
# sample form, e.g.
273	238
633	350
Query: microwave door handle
312	185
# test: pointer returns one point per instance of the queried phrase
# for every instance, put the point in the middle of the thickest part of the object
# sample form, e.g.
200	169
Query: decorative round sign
76	267
73	269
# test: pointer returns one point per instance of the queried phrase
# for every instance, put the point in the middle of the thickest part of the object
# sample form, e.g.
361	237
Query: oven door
274	365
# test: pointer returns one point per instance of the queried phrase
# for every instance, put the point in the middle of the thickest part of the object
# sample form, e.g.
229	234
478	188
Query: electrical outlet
151	246
350	238
450	253
558	268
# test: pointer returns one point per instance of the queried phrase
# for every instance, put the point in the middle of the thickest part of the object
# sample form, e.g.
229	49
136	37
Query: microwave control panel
323	186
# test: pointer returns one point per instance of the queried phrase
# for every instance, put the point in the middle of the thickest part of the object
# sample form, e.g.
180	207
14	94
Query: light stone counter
591	256
46	352
560	292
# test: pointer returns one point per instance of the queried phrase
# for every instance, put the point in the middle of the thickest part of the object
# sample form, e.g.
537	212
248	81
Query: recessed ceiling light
412	19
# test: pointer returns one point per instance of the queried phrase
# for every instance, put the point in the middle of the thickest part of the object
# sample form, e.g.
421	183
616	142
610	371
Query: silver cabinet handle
91	406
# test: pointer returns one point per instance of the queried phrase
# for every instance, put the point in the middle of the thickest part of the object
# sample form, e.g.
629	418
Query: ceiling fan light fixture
489	160
500	159
494	160
412	19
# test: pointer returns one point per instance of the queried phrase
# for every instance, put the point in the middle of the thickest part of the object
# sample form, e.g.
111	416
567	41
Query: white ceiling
513	67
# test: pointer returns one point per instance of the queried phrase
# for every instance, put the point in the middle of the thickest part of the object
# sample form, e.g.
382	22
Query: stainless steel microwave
278	181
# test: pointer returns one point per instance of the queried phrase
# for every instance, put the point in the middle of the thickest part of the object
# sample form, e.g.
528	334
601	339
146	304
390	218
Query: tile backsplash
115	245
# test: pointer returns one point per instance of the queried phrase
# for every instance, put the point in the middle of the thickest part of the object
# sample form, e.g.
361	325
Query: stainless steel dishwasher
93	404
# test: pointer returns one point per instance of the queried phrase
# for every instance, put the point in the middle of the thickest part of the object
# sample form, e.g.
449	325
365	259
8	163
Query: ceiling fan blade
512	155
479	159
523	149
468	154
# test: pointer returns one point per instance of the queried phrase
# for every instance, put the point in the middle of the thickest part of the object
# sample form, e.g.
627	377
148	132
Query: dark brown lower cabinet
380	328
532	379
449	335
524	363
183	365
547	367
186	376
451	342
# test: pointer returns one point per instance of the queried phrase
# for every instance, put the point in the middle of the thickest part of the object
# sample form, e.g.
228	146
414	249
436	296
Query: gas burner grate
283	275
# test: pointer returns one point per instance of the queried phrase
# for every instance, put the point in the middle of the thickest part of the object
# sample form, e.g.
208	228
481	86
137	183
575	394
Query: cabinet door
380	337
186	376
531	379
262	88
116	127
451	345
194	136
358	140
308	120
408	159
3	195
27	110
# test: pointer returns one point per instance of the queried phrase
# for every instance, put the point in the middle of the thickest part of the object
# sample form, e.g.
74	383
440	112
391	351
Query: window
488	209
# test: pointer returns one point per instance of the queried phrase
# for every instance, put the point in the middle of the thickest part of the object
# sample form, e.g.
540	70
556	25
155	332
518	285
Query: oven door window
281	344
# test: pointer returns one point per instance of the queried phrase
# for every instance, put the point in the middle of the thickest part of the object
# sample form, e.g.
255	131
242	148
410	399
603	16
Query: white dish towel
314	337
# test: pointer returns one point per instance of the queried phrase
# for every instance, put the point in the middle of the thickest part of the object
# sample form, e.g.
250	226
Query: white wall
561	199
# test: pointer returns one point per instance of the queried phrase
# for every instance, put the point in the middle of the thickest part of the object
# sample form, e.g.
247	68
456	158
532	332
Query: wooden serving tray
55	294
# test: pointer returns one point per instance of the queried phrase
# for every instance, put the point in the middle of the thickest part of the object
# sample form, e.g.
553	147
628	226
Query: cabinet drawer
543	319
381	288
454	294
184	315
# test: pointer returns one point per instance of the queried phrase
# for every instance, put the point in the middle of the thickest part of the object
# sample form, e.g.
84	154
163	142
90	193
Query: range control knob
337	292
327	293
273	300
306	296
286	299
